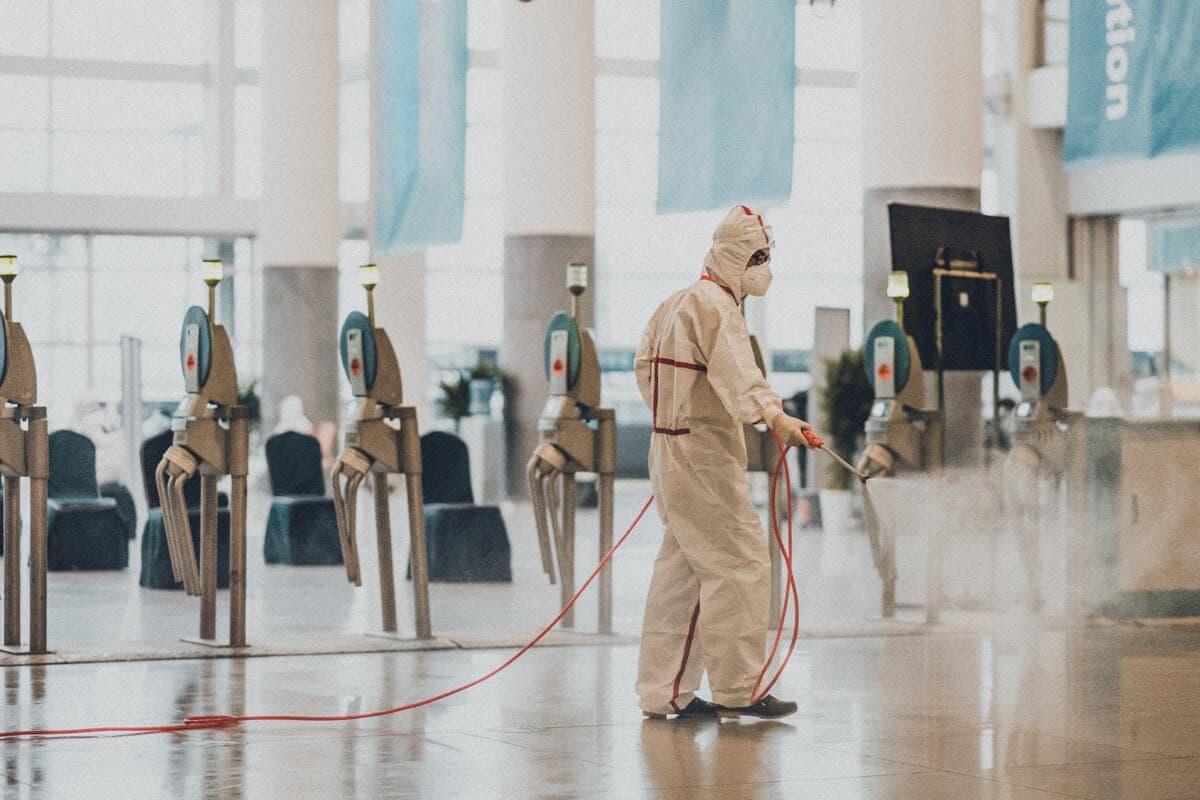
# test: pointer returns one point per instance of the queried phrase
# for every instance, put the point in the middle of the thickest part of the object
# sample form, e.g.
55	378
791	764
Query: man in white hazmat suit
708	599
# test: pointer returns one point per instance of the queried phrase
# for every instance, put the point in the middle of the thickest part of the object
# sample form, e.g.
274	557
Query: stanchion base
216	644
22	650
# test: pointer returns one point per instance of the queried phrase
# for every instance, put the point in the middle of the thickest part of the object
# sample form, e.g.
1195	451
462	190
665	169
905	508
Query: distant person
291	416
104	430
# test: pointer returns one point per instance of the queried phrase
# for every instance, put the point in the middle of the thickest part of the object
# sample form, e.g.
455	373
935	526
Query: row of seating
89	526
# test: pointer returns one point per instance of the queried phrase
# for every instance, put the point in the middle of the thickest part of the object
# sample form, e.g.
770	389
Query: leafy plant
455	401
846	404
248	397
484	370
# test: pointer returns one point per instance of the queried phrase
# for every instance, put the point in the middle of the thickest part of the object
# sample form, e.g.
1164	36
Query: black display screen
921	237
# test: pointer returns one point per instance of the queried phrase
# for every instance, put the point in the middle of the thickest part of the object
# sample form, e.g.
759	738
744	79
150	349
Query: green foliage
455	400
484	370
846	404
248	397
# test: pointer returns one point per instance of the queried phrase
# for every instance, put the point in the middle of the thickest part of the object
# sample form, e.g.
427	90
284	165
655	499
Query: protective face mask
755	280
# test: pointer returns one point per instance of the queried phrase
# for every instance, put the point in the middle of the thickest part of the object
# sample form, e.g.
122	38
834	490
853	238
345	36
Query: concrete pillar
300	226
400	310
922	144
1033	186
549	191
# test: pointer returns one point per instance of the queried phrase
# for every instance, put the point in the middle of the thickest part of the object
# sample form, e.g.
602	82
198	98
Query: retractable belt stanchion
901	434
24	453
212	439
1045	440
382	438
577	435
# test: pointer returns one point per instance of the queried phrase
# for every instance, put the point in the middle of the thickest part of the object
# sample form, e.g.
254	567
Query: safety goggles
759	257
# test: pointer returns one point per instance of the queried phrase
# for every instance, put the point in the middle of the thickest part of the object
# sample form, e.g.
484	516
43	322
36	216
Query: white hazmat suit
708	598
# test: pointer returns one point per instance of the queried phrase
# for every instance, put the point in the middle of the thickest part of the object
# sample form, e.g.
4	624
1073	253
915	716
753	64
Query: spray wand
818	443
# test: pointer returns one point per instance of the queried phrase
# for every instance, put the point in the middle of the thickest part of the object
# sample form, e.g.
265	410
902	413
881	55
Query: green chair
465	542
301	525
83	530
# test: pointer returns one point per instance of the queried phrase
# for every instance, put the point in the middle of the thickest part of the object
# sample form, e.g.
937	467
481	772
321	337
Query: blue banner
421	123
1133	79
727	76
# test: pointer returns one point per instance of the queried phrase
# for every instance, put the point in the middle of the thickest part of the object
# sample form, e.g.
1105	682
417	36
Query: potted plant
455	400
248	397
845	406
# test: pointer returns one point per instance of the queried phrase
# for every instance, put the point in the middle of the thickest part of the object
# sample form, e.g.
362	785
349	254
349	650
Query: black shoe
697	709
767	708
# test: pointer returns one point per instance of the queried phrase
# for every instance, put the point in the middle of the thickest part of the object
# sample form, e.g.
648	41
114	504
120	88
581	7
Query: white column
1033	186
549	63
922	144
400	310
300	225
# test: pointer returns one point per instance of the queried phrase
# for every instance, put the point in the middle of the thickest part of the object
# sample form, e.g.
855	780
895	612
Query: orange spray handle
813	439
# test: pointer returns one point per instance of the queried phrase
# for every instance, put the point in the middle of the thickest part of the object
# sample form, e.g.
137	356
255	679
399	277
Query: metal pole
605	622
131	408
418	554
208	555
237	560
941	376
1167	395
37	462
383	537
12	560
996	366
568	576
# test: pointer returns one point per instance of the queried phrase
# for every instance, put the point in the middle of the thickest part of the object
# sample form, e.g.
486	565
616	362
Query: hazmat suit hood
740	233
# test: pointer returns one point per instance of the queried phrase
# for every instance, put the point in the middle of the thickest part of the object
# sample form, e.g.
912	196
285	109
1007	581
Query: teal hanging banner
421	123
727	76
1133	79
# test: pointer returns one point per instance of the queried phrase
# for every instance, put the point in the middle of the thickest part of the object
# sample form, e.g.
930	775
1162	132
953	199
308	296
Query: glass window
145	31
85	104
26	158
1144	290
247	157
26	102
25	28
120	164
247	34
464	308
89	291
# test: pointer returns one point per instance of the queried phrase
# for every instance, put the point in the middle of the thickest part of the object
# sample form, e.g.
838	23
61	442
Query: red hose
790	593
213	721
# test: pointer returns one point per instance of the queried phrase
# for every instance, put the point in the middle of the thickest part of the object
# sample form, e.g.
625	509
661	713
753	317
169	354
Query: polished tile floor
1003	705
1089	713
